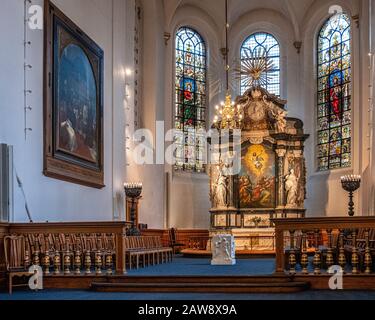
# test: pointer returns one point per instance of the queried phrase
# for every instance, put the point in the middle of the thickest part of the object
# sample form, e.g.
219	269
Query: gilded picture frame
73	102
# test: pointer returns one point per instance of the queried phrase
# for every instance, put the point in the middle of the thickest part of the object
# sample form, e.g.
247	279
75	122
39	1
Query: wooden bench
148	250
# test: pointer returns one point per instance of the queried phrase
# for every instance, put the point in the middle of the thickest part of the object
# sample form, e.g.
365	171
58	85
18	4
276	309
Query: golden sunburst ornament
255	69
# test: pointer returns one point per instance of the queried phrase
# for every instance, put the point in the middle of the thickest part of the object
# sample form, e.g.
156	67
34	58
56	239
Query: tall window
259	44
334	94
190	114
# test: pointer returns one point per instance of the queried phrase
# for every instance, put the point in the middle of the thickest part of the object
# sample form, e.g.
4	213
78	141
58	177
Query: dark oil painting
76	104
73	102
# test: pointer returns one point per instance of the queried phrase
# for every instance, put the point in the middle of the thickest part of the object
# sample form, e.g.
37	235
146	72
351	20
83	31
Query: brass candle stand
133	192
351	183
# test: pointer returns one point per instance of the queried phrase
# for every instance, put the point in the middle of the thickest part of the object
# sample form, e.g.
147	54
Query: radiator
6	182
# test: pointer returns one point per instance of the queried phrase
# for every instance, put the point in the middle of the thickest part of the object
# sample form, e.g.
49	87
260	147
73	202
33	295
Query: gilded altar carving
263	111
272	177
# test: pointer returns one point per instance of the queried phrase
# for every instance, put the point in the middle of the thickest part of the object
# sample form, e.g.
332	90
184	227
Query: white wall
51	199
152	205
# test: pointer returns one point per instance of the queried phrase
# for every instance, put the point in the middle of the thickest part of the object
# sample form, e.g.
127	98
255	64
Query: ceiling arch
293	10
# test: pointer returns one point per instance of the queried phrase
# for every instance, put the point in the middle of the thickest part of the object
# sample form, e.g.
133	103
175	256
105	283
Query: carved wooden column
280	254
280	180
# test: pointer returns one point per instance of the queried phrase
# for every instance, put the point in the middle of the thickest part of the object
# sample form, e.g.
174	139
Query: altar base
254	240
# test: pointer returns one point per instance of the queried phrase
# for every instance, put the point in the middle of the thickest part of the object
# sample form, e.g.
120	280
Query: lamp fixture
228	114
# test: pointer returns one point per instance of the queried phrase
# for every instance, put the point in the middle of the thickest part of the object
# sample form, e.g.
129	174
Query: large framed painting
257	182
73	102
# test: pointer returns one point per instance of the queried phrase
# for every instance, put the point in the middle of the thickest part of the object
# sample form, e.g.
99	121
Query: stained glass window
262	43
190	113
334	94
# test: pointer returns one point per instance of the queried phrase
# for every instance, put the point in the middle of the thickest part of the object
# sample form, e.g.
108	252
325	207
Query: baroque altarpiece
272	178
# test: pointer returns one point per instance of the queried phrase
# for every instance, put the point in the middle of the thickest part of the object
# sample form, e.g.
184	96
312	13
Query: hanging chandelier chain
226	46
229	115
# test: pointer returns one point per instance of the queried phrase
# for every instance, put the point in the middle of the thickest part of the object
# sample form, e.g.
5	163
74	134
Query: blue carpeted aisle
190	267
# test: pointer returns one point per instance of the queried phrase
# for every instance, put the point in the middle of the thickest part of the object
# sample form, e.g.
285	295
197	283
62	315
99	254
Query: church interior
180	149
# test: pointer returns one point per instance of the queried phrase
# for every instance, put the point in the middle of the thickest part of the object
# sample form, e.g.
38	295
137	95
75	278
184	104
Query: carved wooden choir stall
272	178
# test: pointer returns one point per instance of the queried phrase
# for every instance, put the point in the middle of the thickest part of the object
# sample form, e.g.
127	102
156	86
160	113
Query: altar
271	180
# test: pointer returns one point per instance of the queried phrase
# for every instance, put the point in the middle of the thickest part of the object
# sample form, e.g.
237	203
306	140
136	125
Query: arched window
190	113
334	94
262	43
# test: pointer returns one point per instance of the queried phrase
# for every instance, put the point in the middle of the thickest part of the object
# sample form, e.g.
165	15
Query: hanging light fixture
228	114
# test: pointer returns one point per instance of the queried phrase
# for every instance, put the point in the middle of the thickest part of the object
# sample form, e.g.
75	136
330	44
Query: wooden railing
313	245
73	237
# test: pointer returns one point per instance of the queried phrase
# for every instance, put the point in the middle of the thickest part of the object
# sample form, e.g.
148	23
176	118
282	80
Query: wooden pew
146	249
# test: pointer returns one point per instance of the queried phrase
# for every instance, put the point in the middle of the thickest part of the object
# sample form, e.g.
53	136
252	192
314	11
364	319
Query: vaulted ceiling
293	10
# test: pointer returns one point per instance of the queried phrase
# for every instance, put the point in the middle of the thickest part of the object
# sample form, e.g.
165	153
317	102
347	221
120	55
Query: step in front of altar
202	284
252	239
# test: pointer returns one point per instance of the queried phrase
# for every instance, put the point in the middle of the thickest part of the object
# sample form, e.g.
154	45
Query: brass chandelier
228	114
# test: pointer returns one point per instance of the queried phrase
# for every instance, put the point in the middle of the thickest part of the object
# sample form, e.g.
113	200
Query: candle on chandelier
351	178
133	185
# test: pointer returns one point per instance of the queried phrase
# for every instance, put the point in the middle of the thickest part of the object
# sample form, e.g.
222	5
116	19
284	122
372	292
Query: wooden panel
185	235
69	227
163	234
324	223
